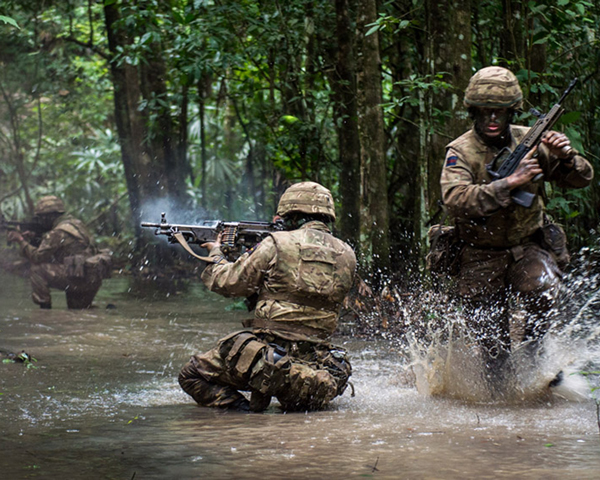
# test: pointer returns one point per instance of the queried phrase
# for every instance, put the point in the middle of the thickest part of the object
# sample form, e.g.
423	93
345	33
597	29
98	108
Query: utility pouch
444	253
75	265
270	374
553	239
101	263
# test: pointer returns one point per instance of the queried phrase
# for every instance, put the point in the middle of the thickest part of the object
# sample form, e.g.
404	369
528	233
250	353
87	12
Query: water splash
448	362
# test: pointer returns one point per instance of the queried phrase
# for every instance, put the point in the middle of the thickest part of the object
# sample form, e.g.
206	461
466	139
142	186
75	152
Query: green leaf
373	29
568	118
9	21
289	119
549	445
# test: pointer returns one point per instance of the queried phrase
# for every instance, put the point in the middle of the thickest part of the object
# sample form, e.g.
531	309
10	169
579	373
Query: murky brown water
104	403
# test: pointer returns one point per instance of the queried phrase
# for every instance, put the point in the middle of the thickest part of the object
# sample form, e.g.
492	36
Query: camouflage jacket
68	237
301	278
483	210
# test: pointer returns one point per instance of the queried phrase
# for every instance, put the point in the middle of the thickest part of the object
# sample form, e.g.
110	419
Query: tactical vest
510	226
80	239
313	268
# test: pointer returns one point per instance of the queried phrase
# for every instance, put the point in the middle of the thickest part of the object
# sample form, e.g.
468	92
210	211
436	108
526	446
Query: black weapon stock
531	140
234	234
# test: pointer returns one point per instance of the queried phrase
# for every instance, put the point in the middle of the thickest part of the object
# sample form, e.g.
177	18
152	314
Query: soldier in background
509	250
60	259
301	277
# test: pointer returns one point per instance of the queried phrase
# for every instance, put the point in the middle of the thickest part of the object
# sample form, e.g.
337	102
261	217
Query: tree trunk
152	170
343	83
375	220
450	52
512	38
129	124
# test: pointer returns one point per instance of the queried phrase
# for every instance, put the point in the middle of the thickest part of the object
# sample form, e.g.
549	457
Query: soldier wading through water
507	250
301	276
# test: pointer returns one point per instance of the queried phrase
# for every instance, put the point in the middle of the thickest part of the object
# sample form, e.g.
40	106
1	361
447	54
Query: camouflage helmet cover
307	197
49	204
494	87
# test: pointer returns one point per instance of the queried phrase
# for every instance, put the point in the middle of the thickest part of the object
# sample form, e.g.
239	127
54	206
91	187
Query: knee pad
308	389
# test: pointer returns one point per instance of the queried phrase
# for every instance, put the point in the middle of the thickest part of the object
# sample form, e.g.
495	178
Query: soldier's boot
497	370
45	306
259	402
241	405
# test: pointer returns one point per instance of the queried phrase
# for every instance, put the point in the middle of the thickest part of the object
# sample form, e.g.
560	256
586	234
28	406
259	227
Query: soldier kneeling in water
301	276
66	258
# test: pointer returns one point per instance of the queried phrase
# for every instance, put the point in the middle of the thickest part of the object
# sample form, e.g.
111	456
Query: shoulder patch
451	160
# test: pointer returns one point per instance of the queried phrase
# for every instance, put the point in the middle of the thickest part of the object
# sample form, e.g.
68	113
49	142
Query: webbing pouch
75	266
270	374
249	353
229	353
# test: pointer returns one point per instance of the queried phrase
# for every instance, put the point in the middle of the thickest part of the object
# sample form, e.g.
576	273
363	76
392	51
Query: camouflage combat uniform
301	278
502	250
59	262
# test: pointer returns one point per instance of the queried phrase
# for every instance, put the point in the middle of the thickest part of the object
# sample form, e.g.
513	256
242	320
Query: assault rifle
235	235
531	140
35	228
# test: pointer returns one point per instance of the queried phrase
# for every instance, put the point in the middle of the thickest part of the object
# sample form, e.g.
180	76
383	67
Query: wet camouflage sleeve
53	242
243	277
462	193
579	176
468	191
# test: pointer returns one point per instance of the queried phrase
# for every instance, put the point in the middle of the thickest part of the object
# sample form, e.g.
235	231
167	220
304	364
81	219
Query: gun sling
183	242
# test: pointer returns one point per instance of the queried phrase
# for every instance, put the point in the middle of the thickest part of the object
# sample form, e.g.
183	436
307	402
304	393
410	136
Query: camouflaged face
494	87
307	197
49	204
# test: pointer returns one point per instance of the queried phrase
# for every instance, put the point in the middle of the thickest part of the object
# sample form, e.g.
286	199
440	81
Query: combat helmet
494	87
49	204
307	197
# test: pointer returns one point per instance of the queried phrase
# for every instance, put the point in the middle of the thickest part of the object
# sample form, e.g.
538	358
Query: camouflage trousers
490	278
301	374
80	292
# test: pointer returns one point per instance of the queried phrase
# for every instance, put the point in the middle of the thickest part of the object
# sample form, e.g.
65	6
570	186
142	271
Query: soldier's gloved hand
28	235
14	236
211	245
559	146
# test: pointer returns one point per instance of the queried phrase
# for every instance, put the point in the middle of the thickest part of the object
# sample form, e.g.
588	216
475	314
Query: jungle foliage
209	108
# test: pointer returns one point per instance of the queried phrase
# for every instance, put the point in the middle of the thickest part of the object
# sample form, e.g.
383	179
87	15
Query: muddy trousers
80	292
302	375
490	278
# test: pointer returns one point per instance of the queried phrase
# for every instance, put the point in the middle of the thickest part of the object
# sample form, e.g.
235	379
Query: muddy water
104	403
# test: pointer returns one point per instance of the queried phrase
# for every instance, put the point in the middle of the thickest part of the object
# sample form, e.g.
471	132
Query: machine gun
235	235
512	159
35	228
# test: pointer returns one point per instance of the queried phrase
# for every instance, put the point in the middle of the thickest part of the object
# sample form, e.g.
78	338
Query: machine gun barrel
234	235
